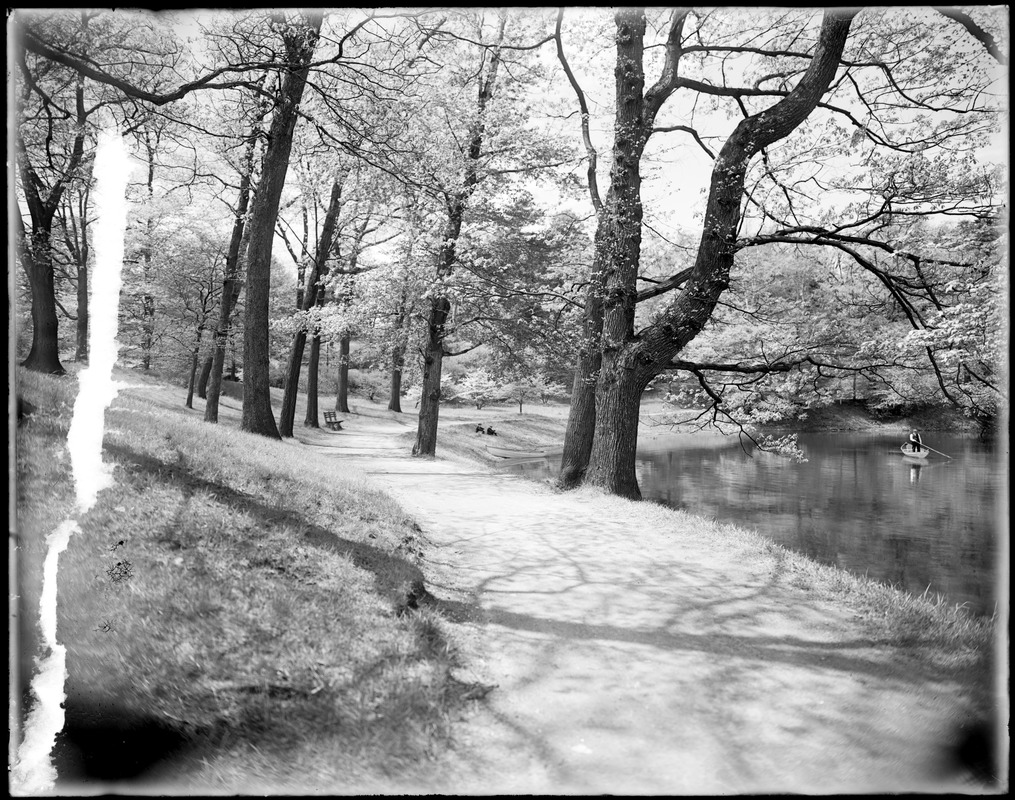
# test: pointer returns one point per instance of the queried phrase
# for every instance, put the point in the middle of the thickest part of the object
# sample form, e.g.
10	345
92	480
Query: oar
935	451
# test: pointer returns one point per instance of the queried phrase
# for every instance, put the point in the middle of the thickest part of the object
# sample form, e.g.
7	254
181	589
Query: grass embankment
238	601
519	431
946	633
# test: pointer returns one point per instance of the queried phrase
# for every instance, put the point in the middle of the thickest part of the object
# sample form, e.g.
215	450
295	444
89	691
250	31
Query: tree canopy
760	210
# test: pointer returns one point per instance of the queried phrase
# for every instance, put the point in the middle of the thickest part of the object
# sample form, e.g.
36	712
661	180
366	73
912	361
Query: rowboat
908	452
512	452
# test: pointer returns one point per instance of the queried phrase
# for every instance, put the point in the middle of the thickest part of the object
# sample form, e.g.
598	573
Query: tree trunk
192	382
311	296
193	368
76	243
202	384
581	421
398	357
430	394
258	416
397	361
630	361
45	353
581	418
294	366
342	396
618	248
148	329
433	351
81	353
231	285
230	294
615	432
310	420
612	461
145	258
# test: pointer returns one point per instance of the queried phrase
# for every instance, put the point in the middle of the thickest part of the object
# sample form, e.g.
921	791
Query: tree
310	296
963	337
402	286
235	258
514	292
343	295
457	199
160	241
526	384
774	190
300	41
51	151
198	286
59	104
479	387
299	38
74	220
467	135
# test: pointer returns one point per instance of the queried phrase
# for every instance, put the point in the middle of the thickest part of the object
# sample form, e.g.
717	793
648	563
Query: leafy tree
196	286
300	41
309	296
52	141
526	384
514	292
389	298
59	106
236	253
74	219
462	176
834	112
479	387
348	267
253	51
963	337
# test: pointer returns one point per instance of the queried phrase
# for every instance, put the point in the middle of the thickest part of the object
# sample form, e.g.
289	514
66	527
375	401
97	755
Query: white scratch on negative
34	772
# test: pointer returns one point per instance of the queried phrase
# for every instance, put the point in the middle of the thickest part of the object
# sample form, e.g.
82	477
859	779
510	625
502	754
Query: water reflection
914	472
857	503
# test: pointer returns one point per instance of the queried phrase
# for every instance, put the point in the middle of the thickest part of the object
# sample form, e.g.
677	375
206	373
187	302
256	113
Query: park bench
332	421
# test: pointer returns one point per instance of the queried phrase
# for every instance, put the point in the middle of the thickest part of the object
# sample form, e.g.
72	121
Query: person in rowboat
915	441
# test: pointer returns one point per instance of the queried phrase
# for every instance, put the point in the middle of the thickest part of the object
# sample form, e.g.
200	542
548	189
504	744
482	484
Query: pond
856	503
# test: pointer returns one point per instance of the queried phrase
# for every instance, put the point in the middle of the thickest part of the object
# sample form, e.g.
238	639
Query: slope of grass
531	430
245	594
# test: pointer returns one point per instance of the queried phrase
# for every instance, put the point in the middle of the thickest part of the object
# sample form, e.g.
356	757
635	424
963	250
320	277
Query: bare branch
590	149
686	129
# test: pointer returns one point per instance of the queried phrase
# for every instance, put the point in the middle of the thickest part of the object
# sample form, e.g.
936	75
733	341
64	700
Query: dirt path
633	655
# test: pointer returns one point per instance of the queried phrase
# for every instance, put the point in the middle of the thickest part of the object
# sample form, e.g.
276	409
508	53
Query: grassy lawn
238	602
